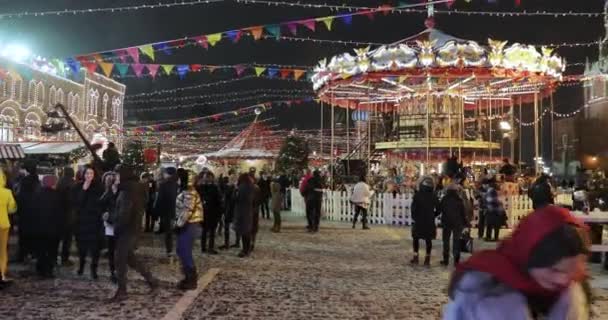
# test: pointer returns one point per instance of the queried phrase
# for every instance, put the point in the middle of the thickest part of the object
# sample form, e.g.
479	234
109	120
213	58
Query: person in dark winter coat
48	226
212	210
164	205
229	204
89	231
541	192
26	212
495	213
424	208
150	218
244	212
314	200
130	206
66	189
264	185
108	205
111	157
453	222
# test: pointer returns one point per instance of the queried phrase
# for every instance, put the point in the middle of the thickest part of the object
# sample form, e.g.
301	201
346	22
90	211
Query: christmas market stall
256	146
434	96
53	155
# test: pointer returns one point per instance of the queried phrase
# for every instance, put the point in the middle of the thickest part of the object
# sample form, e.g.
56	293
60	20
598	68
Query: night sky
78	34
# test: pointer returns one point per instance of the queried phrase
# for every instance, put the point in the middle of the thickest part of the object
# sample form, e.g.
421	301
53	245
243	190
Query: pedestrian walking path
338	273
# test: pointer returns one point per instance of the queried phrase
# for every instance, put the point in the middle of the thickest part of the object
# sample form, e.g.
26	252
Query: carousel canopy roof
435	63
255	142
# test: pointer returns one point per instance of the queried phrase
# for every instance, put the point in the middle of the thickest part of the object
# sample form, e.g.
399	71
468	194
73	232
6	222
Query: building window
52	96
75	104
40	94
115	109
7	129
18	89
7	86
59	96
105	105
31	93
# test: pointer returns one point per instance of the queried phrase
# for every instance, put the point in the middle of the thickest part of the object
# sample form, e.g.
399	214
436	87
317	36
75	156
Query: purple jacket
477	296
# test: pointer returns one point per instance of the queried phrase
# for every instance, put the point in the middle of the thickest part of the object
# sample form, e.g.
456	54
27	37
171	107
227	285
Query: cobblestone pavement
339	273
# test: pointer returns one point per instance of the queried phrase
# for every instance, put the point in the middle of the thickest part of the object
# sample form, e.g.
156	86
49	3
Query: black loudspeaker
354	168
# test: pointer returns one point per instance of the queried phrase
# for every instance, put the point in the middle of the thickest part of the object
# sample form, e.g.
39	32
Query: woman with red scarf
536	273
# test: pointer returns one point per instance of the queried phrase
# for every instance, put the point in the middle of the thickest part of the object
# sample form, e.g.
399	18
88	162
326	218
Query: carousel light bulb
504	125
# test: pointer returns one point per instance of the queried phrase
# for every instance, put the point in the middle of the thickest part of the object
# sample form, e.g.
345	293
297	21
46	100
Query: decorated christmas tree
293	155
133	156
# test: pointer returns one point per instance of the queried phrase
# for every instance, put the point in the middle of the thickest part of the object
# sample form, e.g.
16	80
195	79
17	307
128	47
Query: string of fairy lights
66	11
221	95
351	8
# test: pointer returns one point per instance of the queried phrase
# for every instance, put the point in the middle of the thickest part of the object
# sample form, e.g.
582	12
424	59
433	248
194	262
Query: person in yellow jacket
188	220
7	206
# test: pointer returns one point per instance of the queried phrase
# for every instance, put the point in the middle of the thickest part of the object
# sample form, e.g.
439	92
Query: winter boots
415	260
190	280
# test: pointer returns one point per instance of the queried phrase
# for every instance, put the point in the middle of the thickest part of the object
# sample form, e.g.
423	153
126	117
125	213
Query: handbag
466	241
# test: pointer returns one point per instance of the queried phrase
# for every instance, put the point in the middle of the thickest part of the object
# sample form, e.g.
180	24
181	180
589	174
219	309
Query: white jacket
361	195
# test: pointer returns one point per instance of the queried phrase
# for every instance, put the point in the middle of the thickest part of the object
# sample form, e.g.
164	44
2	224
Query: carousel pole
462	126
512	148
519	135
552	130
369	139
347	131
450	130
321	134
536	144
428	129
502	111
489	114
332	140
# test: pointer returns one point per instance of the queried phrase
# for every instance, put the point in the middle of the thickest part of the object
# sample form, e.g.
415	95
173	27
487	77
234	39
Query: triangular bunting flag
297	73
91	66
153	69
73	65
202	41
274	30
327	21
138	68
148	50
196	67
98	58
58	64
402	78
310	24
163	47
167	68
179	43
293	28
239	69
285	73
122	68
106	68
369	14
272	72
259	70
256	32
214	38
182	70
82	59
234	35
347	19
134	53
122	55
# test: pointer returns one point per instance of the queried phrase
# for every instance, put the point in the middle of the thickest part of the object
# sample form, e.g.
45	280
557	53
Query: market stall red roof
255	142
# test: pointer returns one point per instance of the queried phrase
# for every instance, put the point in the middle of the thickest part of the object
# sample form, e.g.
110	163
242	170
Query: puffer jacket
478	296
189	208
7	203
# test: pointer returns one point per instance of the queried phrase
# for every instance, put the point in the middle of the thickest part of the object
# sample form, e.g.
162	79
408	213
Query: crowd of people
107	210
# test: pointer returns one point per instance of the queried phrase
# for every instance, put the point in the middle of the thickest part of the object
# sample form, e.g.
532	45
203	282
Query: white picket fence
395	210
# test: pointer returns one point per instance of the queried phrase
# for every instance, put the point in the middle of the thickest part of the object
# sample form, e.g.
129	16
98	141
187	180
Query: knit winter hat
49	181
567	241
171	171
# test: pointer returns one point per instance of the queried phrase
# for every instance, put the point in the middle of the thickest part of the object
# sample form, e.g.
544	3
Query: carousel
438	96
